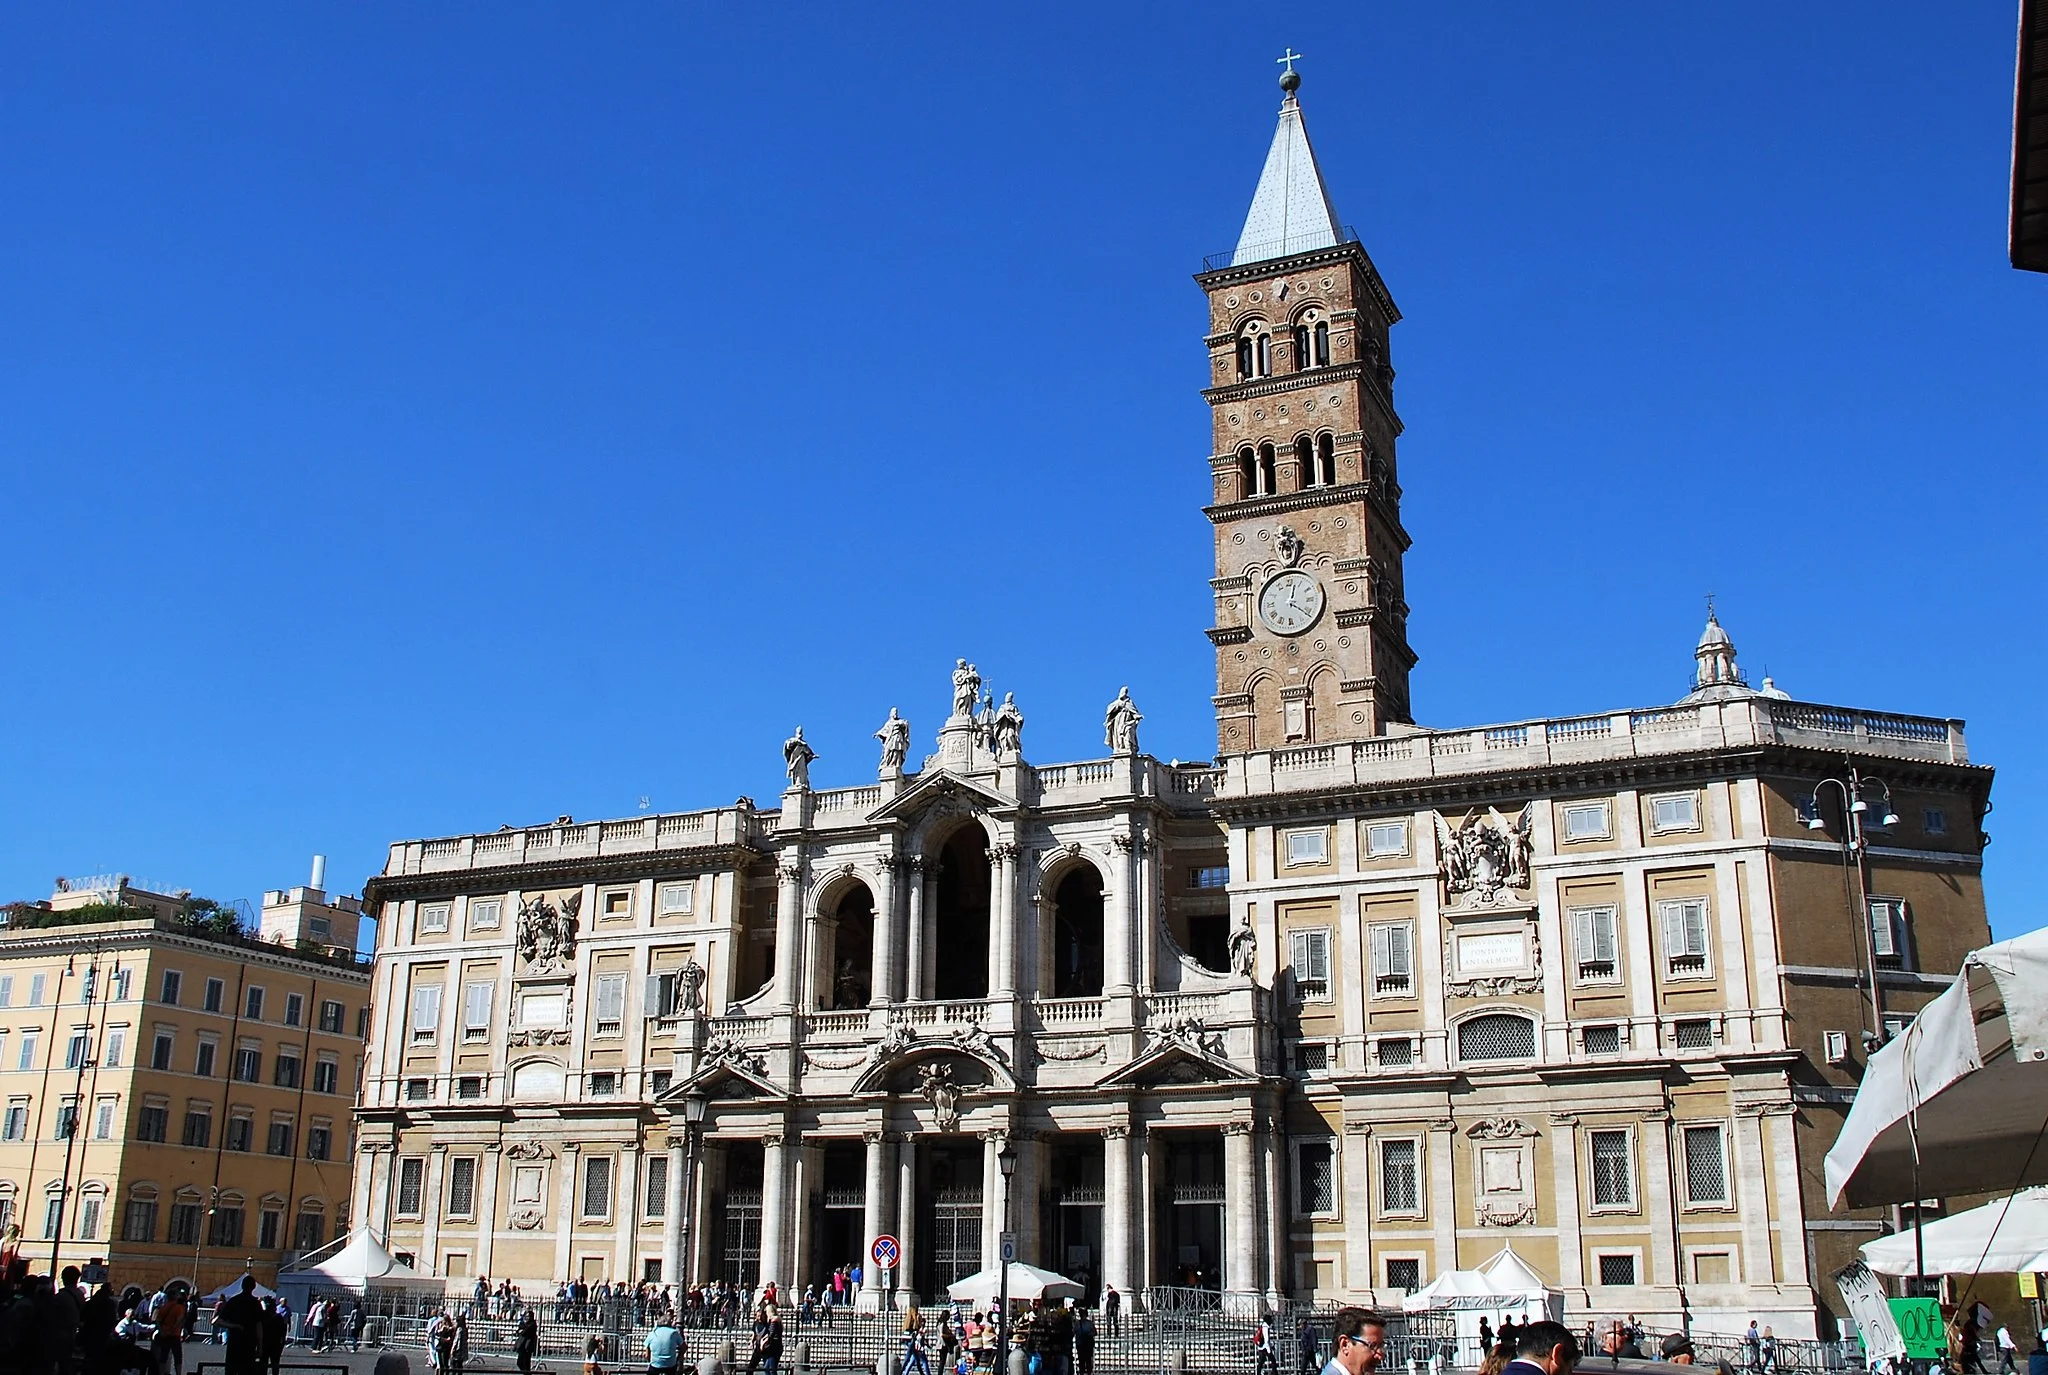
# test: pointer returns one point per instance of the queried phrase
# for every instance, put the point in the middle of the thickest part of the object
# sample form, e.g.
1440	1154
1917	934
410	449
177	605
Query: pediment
937	787
725	1080
1176	1061
896	1062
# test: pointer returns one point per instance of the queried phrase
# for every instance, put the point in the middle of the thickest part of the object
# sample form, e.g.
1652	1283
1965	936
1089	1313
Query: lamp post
1006	1158
693	1122
68	1122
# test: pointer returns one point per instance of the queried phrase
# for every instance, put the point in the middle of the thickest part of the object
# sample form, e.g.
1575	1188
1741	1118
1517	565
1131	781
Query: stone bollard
1019	1362
1178	1361
885	1363
803	1355
725	1357
710	1365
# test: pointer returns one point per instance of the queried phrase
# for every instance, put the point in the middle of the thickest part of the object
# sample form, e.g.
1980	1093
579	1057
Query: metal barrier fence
1788	1354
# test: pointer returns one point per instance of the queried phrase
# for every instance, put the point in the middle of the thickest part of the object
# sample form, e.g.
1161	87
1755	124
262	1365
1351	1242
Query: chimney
320	872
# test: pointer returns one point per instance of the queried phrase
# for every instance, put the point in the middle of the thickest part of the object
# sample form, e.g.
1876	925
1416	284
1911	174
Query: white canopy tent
1026	1282
1958	1104
362	1264
232	1288
1503	1287
2009	1236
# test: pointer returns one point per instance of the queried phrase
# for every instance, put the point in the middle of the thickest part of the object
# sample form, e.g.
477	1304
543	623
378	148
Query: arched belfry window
1254	352
1247	472
1311	341
1322	343
1302	339
1326	460
1305	460
1269	482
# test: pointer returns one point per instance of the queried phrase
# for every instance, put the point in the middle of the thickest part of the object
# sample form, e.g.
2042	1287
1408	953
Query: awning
2009	1236
1026	1282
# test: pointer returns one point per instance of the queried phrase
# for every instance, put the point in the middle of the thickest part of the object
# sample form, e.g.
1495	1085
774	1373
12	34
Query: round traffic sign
886	1251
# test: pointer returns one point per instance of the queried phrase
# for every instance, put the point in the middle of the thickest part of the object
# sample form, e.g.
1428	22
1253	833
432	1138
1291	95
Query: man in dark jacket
240	1319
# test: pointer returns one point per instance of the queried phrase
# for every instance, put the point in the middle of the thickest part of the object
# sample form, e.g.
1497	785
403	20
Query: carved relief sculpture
547	933
1485	854
937	1085
898	1037
1288	545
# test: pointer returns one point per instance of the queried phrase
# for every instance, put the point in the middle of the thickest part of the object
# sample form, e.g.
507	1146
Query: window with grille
654	1202
1617	1269
1311	1057
419	1090
1603	1040
1706	1166
412	1174
1596	944
462	1186
1393	1051
1404	1275
1613	1179
597	1186
1586	821
660	1081
1393	958
1685	935
476	1011
1315	1178
604	1083
1400	1176
138	1223
1888	931
1310	953
1497	1036
469	1086
611	1004
1693	1033
185	1224
1675	812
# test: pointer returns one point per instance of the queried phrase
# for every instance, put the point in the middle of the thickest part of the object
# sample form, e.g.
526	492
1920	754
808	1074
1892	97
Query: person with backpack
1263	1358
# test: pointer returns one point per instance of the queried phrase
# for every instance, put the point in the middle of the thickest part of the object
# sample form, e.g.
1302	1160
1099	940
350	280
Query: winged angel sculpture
1486	854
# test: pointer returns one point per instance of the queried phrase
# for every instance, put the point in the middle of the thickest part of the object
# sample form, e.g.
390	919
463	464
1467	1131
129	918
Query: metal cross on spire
1290	57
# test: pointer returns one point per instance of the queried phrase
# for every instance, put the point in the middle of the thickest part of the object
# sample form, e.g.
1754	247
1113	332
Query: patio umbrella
1958	1104
1026	1282
2004	1237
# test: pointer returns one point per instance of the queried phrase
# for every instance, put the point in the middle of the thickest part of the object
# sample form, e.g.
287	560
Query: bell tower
1311	629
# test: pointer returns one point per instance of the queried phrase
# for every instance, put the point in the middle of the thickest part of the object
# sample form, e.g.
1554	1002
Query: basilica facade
1357	1003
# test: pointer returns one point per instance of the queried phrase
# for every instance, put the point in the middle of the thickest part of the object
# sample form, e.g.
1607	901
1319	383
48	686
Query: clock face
1290	602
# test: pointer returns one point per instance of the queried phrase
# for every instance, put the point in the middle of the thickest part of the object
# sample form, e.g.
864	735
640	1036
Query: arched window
1326	459
1269	482
1302	357
960	921
848	979
1322	343
1254	352
1077	935
1497	1036
1305	460
1247	472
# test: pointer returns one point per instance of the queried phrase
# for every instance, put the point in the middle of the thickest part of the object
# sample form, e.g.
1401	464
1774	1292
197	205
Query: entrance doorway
951	1171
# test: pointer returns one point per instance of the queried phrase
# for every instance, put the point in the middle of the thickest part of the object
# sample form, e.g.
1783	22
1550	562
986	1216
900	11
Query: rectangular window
426	1012
252	1005
269	1229
16	1126
53	1218
1596	944
1386	838
172	984
139	1224
285	1074
117	987
1315	1176
412	1173
241	1135
6	990
1706	1166
469	1086
27	1059
1392	1052
419	1090
202	1061
1888	930
603	1084
611	1004
1587	821
617	903
486	915
434	917
215	991
661	994
1311	1057
330	1017
1617	1269
280	1140
1674	812
311	1232
319	928
1933	820
1393	958
294	1008
363	1022
1604	1039
461	1186
89	1217
676	899
1693	1033
154	1123
1308	847
116	1049
249	1065
1613	1177
1400	1176
185	1224
1209	876
655	1200
660	1081
597	1186
76	1049
67	1119
199	1128
1404	1275
103	1120
326	1075
1685	935
227	1227
35	990
1310	952
476	1011
319	1142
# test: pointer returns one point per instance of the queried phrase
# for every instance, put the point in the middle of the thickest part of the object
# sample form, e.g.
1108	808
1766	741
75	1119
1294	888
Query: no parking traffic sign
886	1251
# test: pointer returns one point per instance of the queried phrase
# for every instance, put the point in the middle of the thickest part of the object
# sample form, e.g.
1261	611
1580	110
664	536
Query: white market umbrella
2005	1237
1965	1089
1026	1282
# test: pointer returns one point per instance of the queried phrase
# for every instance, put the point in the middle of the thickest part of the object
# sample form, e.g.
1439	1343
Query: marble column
1121	1208
1002	974
914	981
906	1217
993	1196
804	1201
626	1213
1240	1217
789	934
876	1215
1024	1199
882	963
774	1210
673	1270
488	1168
1273	1168
1152	1201
430	1209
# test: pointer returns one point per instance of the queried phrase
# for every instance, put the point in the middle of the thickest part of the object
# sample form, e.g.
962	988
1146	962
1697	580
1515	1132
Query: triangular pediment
724	1081
937	787
1175	1060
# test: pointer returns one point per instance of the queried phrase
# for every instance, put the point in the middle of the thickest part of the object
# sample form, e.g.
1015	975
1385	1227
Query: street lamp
693	1122
1006	1158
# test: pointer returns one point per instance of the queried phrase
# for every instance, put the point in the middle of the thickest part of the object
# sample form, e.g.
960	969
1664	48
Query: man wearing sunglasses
1543	1348
1361	1342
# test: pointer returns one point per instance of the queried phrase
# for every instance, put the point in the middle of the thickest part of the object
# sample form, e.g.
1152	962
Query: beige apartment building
1356	1003
175	1102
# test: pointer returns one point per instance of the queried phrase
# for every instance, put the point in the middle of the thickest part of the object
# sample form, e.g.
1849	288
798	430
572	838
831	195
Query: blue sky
418	419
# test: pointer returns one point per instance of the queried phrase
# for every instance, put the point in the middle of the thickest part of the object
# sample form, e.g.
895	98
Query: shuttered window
1393	958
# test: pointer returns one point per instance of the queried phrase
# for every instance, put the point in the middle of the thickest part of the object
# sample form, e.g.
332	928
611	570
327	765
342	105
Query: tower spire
1291	211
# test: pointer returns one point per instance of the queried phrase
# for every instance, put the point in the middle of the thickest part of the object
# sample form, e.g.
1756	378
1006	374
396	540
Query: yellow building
209	1076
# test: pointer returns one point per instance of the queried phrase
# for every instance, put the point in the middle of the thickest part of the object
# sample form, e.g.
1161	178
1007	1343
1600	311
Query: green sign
1920	1325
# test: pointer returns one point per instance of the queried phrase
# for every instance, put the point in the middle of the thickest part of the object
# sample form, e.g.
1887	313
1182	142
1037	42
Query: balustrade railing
1068	1011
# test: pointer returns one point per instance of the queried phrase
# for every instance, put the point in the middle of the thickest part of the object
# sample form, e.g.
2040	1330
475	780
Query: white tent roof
1508	1273
1026	1282
363	1261
2008	1236
1962	1089
234	1287
1504	1281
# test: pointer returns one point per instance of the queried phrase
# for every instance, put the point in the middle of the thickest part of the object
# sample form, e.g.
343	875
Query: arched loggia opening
1077	935
850	969
960	924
